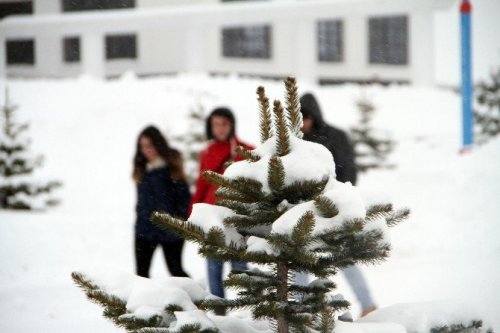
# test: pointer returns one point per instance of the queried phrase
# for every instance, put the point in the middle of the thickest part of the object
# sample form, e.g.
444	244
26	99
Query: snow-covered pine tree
371	148
143	305
487	115
282	207
17	189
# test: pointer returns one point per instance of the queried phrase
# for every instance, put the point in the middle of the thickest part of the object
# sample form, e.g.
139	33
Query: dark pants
172	251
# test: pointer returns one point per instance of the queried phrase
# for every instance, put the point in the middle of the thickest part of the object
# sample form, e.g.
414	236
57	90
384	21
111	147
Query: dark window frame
388	40
20	51
116	47
330	39
15	8
84	5
71	49
247	41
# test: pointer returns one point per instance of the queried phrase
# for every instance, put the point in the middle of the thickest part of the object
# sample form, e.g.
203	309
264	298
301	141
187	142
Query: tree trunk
282	293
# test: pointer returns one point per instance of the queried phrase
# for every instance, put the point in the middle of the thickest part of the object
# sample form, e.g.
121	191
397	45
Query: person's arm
182	198
343	155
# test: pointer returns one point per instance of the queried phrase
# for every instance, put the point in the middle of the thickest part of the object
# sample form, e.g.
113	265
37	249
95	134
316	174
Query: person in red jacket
220	130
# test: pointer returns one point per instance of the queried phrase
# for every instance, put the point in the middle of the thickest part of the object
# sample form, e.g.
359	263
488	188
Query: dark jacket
332	138
158	192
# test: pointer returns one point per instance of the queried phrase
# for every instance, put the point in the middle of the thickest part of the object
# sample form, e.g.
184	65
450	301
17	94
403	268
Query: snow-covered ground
86	129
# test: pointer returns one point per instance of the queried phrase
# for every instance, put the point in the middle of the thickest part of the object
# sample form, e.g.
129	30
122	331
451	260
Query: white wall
47	7
161	3
182	38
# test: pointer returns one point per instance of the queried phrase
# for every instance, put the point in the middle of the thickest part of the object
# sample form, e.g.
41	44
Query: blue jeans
215	268
356	280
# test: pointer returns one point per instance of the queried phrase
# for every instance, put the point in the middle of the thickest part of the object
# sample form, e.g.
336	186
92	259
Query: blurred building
325	41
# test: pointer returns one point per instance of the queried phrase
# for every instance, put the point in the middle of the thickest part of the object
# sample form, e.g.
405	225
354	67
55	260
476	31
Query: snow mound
194	317
231	324
348	201
306	161
257	244
422	317
343	327
208	216
128	287
146	298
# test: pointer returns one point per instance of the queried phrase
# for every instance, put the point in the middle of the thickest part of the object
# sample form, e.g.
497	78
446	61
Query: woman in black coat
161	186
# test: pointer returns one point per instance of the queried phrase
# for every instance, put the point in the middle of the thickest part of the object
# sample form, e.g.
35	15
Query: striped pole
467	115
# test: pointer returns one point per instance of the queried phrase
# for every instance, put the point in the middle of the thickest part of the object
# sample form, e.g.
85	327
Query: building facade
324	41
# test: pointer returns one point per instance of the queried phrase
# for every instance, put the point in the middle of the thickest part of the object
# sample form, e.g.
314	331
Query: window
20	52
15	8
77	5
247	42
330	41
121	46
71	49
389	40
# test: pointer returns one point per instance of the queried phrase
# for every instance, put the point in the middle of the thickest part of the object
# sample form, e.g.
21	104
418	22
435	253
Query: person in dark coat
220	130
317	130
161	186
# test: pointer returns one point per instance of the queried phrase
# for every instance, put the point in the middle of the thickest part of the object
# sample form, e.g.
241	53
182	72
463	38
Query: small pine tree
193	142
487	115
17	191
371	149
289	223
476	326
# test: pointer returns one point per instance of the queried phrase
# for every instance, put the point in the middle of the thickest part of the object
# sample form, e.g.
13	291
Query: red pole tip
465	7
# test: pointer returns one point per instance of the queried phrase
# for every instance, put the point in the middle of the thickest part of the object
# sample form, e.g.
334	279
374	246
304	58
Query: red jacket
213	158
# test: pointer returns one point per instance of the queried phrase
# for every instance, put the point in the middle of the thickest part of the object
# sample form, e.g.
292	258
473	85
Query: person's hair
170	155
220	112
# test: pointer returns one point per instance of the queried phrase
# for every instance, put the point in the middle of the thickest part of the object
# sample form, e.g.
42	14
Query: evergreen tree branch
132	323
473	326
249	189
154	330
230	304
326	207
241	208
282	131
378	211
302	190
184	229
247	154
276	174
293	107
302	231
398	216
264	115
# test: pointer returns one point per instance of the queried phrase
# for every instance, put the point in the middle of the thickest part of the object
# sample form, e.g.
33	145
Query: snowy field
448	249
